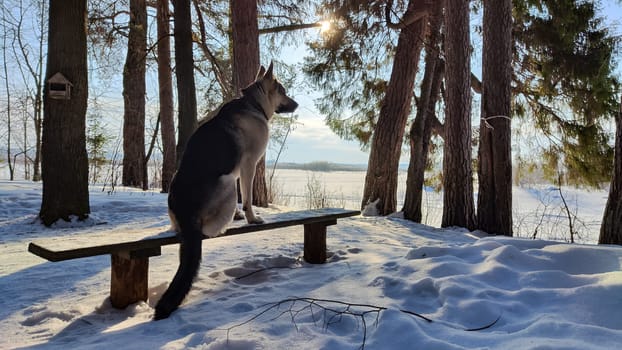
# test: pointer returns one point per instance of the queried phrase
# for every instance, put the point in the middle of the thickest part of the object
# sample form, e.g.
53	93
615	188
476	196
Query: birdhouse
59	88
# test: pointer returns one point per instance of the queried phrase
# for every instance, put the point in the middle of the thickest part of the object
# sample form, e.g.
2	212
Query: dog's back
212	151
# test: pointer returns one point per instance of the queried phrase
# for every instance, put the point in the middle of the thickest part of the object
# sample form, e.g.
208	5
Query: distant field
320	166
537	209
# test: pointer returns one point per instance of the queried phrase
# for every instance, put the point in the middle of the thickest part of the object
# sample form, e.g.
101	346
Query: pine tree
458	206
367	65
351	63
421	128
564	83
382	168
494	198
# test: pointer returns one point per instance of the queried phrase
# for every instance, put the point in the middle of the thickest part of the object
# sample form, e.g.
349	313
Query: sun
325	27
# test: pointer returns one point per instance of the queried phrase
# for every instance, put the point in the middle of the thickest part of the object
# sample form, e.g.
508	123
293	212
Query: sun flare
325	27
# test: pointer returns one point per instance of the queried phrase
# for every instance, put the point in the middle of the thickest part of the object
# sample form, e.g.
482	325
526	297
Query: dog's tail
189	260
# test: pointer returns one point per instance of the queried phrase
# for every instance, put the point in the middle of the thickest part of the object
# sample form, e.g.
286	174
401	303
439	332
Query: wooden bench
130	251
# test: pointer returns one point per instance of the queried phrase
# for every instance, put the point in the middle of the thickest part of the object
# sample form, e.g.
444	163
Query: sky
312	140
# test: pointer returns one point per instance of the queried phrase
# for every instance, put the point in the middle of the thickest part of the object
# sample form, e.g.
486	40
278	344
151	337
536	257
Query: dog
202	196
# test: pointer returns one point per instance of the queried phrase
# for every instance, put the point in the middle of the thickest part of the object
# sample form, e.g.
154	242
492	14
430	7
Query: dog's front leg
247	174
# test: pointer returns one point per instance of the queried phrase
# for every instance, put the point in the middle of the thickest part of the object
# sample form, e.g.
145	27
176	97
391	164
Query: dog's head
274	91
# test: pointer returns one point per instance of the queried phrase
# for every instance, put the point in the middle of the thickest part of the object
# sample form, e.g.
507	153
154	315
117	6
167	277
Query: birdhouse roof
58	78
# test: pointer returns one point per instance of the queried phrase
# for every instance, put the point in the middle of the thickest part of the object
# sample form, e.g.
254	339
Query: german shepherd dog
203	198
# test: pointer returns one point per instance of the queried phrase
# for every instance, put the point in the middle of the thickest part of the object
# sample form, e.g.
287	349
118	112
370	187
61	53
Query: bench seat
130	250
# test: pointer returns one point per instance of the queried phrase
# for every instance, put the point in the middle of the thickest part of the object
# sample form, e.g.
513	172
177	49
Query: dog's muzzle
288	107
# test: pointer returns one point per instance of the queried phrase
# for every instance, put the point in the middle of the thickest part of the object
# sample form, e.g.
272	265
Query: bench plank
131	252
59	249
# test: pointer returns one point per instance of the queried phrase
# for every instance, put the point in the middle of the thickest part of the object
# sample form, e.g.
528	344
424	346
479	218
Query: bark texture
245	38
458	206
386	147
134	169
494	199
421	128
611	228
184	72
64	164
165	82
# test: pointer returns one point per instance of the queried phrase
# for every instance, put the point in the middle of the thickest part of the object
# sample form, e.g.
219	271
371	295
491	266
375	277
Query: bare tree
458	206
5	36
28	59
165	82
64	158
23	104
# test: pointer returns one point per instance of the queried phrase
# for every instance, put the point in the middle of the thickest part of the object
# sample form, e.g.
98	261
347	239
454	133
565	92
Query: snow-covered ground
255	292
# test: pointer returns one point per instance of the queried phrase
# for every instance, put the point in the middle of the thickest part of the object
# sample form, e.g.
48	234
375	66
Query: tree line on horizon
392	74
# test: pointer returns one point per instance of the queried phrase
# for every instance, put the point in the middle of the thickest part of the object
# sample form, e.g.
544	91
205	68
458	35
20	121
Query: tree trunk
419	148
38	116
611	228
494	200
165	82
184	72
386	147
421	128
9	156
25	142
458	207
134	97
245	39
64	159
38	106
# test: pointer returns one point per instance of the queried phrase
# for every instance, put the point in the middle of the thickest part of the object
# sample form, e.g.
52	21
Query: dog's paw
238	215
256	220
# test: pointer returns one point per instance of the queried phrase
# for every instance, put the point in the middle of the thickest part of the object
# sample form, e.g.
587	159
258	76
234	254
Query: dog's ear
268	74
260	73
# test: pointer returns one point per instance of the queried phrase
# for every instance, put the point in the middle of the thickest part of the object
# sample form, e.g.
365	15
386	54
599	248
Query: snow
255	292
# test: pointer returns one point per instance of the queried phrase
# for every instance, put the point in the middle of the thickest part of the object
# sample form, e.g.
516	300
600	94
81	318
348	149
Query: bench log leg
315	242
129	281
